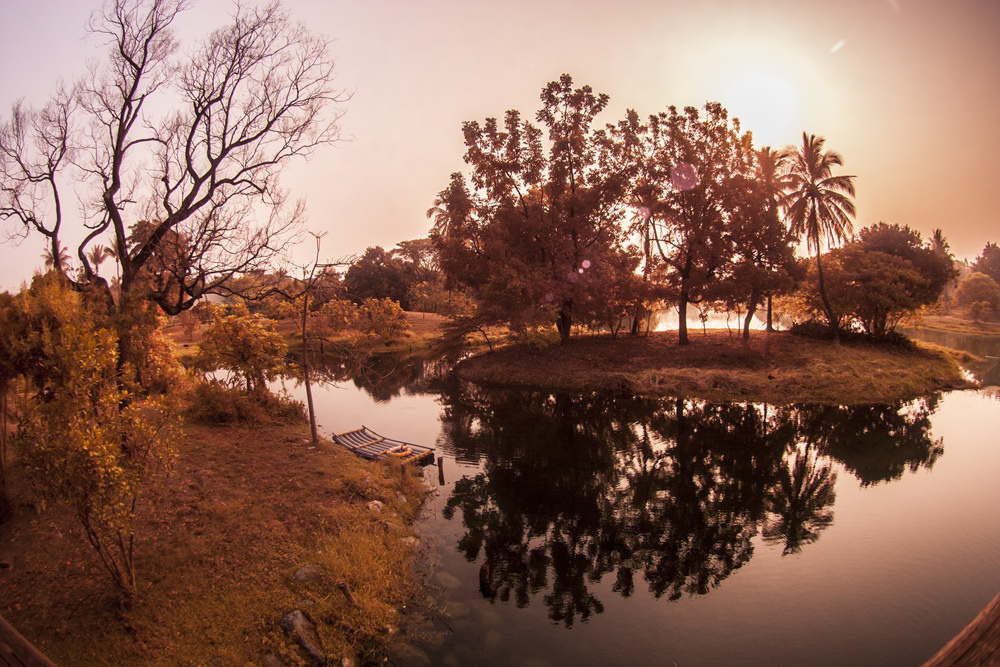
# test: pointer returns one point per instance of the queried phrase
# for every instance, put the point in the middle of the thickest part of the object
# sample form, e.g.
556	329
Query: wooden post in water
441	470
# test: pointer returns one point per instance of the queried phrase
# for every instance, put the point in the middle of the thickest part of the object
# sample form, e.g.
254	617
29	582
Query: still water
600	530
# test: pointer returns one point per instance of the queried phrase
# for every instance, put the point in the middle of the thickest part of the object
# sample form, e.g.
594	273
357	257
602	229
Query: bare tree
34	152
188	197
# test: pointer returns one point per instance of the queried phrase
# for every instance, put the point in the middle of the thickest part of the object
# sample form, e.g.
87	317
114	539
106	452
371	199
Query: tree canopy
540	214
540	232
882	276
988	262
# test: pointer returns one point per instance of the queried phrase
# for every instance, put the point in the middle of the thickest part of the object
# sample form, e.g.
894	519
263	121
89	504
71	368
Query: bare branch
191	195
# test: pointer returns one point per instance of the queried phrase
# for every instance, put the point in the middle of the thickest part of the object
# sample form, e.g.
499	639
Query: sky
907	91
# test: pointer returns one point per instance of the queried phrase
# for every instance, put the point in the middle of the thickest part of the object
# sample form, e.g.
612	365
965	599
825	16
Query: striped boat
370	445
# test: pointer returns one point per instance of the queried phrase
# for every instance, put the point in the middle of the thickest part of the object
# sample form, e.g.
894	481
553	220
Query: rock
407	654
393	527
299	627
447	579
272	661
493	639
376	506
409	541
401	498
458	609
309	573
349	661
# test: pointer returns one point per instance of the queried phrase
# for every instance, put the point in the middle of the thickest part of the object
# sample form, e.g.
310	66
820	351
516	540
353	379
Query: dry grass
775	368
243	510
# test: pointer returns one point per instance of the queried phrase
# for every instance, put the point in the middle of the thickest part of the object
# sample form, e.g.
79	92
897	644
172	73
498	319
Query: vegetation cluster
572	223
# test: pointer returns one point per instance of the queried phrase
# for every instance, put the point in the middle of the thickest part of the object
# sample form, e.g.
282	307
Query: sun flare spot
766	104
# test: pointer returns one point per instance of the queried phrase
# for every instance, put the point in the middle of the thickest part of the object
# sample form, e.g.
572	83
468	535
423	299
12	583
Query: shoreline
776	368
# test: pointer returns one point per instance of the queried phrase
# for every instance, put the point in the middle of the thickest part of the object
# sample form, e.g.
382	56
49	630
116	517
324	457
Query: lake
597	529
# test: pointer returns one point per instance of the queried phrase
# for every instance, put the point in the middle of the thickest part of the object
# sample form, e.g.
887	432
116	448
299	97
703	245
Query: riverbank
958	324
219	560
776	368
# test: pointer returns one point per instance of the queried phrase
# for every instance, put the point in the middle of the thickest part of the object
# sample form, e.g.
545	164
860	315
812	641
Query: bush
244	345
980	294
383	319
215	402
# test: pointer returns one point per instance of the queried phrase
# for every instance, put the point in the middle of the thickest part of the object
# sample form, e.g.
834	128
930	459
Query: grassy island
776	368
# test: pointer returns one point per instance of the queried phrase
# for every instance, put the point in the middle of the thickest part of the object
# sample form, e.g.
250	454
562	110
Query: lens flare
684	176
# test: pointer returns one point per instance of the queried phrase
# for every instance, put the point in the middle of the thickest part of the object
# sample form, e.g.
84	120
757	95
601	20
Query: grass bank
777	368
244	509
958	324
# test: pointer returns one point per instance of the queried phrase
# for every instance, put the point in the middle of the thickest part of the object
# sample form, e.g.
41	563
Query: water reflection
574	489
876	443
800	505
383	376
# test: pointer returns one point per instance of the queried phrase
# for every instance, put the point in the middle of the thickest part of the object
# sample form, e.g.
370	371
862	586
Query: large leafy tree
884	275
979	293
192	142
628	149
379	274
704	161
763	255
246	346
819	206
540	212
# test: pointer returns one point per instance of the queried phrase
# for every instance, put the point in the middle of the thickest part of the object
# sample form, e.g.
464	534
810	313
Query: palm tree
800	505
97	255
939	244
53	261
819	205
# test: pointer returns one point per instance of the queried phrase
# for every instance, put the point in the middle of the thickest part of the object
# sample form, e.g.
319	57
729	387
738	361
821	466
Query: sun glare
765	104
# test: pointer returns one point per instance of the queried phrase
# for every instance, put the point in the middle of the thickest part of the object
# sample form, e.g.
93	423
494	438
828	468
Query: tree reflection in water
576	488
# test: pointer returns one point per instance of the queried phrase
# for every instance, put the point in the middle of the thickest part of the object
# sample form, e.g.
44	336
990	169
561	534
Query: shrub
244	345
383	318
215	402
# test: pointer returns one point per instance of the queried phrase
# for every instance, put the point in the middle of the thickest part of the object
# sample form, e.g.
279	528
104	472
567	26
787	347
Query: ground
242	511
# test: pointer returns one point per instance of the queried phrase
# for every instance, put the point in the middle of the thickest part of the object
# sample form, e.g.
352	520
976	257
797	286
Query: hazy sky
908	91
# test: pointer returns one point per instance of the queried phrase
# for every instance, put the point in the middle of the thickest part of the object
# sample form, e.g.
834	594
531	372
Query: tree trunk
5	508
305	369
682	324
646	266
834	325
565	322
751	309
770	326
